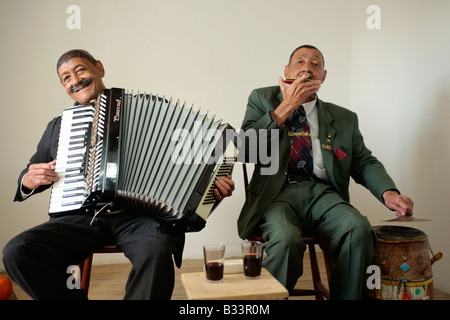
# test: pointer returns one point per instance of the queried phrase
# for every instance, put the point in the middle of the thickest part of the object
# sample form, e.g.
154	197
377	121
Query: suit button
285	173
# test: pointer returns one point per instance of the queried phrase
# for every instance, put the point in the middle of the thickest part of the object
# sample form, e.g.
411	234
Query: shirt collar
308	106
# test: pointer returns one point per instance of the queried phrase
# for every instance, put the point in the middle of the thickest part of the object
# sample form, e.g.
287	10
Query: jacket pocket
341	153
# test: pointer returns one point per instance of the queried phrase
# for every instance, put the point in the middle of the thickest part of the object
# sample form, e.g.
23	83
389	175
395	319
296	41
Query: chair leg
315	270
328	261
86	274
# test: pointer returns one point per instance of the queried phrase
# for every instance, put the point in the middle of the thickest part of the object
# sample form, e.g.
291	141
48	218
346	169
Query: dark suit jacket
343	150
45	152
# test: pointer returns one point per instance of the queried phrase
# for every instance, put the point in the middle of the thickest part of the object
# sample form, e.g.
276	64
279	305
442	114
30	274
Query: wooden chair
86	266
320	290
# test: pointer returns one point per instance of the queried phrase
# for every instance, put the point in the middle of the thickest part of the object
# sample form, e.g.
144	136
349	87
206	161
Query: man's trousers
38	259
312	207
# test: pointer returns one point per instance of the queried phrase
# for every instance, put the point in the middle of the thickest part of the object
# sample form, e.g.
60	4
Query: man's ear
285	71
324	75
99	65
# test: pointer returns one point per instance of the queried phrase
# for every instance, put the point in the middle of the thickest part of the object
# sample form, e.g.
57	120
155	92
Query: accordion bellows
143	153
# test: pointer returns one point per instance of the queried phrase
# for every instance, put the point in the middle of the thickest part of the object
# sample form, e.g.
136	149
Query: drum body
403	255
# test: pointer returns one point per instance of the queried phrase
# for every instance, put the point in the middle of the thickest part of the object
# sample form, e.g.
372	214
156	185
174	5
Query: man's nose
75	80
307	68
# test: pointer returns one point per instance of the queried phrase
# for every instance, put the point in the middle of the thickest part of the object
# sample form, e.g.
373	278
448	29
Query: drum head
397	233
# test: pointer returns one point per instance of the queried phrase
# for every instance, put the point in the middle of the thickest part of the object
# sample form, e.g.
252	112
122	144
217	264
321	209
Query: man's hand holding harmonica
309	73
300	91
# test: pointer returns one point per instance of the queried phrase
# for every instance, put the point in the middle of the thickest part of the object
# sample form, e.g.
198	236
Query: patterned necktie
301	161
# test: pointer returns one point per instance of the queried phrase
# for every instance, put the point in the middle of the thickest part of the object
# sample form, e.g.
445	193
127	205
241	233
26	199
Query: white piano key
60	208
60	185
80	198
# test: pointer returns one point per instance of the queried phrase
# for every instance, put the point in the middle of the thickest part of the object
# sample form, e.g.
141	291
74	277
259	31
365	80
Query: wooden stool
86	266
234	286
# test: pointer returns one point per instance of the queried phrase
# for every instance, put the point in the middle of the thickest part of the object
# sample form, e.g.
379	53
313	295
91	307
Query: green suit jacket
343	150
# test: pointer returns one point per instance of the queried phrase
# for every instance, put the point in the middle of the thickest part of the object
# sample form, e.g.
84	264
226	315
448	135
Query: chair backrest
255	236
244	169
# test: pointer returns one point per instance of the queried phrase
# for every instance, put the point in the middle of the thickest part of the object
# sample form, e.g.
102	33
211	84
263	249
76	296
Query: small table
233	287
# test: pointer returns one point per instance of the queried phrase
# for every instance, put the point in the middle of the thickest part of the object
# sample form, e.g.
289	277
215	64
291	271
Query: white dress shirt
23	194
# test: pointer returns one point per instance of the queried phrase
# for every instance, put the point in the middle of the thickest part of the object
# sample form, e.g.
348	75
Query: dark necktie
301	161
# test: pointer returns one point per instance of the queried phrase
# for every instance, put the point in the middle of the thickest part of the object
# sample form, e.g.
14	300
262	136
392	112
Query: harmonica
290	80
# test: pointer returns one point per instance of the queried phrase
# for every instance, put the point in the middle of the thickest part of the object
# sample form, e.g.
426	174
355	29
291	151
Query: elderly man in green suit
308	193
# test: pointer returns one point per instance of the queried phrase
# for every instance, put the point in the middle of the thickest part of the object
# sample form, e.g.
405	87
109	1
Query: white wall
400	81
212	53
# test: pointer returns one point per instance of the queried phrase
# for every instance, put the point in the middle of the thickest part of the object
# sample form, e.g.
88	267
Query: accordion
142	153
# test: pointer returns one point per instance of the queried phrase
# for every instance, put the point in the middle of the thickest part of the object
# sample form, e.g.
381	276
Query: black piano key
78	137
71	195
72	189
83	110
75	155
80	117
78	129
79	124
73	161
72	142
75	148
73	175
73	181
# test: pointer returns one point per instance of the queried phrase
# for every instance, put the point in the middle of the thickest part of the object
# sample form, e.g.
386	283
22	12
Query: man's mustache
81	85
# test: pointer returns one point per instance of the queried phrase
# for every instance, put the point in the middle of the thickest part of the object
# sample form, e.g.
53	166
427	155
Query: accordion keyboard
69	192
